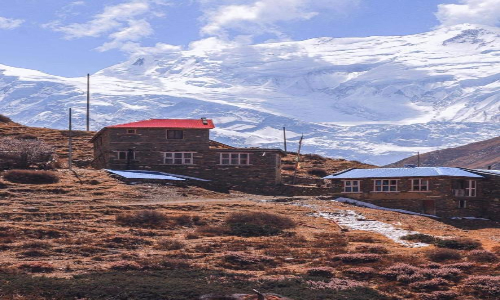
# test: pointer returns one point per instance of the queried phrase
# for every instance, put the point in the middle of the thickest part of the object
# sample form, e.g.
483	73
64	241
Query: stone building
441	191
183	146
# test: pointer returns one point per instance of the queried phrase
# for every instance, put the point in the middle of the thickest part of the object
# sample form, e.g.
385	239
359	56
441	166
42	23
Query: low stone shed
440	191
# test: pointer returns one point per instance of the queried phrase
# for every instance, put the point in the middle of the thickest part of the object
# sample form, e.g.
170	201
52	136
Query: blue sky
71	38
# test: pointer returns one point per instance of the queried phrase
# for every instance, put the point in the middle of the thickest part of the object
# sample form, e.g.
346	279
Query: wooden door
429	207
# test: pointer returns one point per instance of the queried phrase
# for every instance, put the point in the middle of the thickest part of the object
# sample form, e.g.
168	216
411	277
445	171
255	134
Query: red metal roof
168	123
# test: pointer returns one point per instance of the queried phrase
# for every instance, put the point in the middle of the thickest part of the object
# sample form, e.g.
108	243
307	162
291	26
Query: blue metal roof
141	174
490	172
403	172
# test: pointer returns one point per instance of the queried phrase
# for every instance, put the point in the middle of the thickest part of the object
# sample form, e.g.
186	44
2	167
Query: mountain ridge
430	90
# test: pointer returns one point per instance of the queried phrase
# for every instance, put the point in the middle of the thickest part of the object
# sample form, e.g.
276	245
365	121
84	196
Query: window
419	185
385	185
124	155
234	159
351	186
178	158
175	134
470	188
131	131
462	204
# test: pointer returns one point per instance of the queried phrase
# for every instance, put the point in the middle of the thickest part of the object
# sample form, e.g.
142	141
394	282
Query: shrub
209	230
482	256
419	237
37	267
459	244
484	286
372	249
243	261
438	295
326	272
317	172
170	244
124	265
439	255
4	119
399	269
335	284
445	273
357	258
36	245
431	284
288	167
31	177
360	273
250	224
22	153
462	266
143	218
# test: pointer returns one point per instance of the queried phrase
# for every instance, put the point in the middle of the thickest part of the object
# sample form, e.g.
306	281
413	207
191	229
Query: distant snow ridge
374	99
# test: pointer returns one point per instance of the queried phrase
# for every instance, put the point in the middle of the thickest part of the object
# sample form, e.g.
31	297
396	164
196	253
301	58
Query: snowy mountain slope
376	99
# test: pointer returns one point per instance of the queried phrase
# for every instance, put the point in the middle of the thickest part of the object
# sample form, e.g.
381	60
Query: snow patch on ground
356	221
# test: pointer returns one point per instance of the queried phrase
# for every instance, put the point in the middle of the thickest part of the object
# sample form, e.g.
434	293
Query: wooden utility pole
70	142
284	137
88	102
418	159
298	159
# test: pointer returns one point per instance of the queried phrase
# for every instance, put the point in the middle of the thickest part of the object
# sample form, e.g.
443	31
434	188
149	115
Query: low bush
143	218
325	272
211	231
458	244
317	172
288	167
357	258
484	286
37	267
429	285
248	224
462	266
439	255
399	269
482	256
336	284
438	295
243	261
360	272
31	177
36	245
124	265
170	244
419	237
372	249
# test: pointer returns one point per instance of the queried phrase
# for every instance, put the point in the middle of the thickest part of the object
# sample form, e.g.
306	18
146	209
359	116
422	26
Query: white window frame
419	184
352	185
126	155
471	188
389	185
234	159
460	203
182	160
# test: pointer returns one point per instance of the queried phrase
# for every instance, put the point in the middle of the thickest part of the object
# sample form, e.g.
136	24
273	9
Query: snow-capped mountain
375	99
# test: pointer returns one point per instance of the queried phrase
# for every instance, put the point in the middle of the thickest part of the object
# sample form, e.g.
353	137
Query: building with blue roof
440	191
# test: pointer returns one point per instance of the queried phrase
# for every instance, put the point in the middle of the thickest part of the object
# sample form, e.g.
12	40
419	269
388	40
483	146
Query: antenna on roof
204	121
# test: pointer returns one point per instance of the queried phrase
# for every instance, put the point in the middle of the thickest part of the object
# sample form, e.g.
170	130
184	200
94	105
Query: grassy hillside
478	155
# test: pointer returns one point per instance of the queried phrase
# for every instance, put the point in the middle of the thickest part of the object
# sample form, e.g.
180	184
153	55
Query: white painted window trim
351	181
183	158
375	186
166	134
230	158
419	185
471	188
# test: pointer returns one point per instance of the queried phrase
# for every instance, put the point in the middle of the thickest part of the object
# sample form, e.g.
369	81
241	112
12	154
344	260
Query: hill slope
476	155
374	99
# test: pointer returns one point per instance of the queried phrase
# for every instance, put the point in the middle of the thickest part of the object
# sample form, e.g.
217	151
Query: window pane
178	161
378	188
225	161
188	155
347	183
168	155
178	155
234	161
355	189
394	182
378	182
355	183
393	188
169	161
243	161
423	188
243	155
385	188
348	189
385	182
188	161
122	155
234	156
225	155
